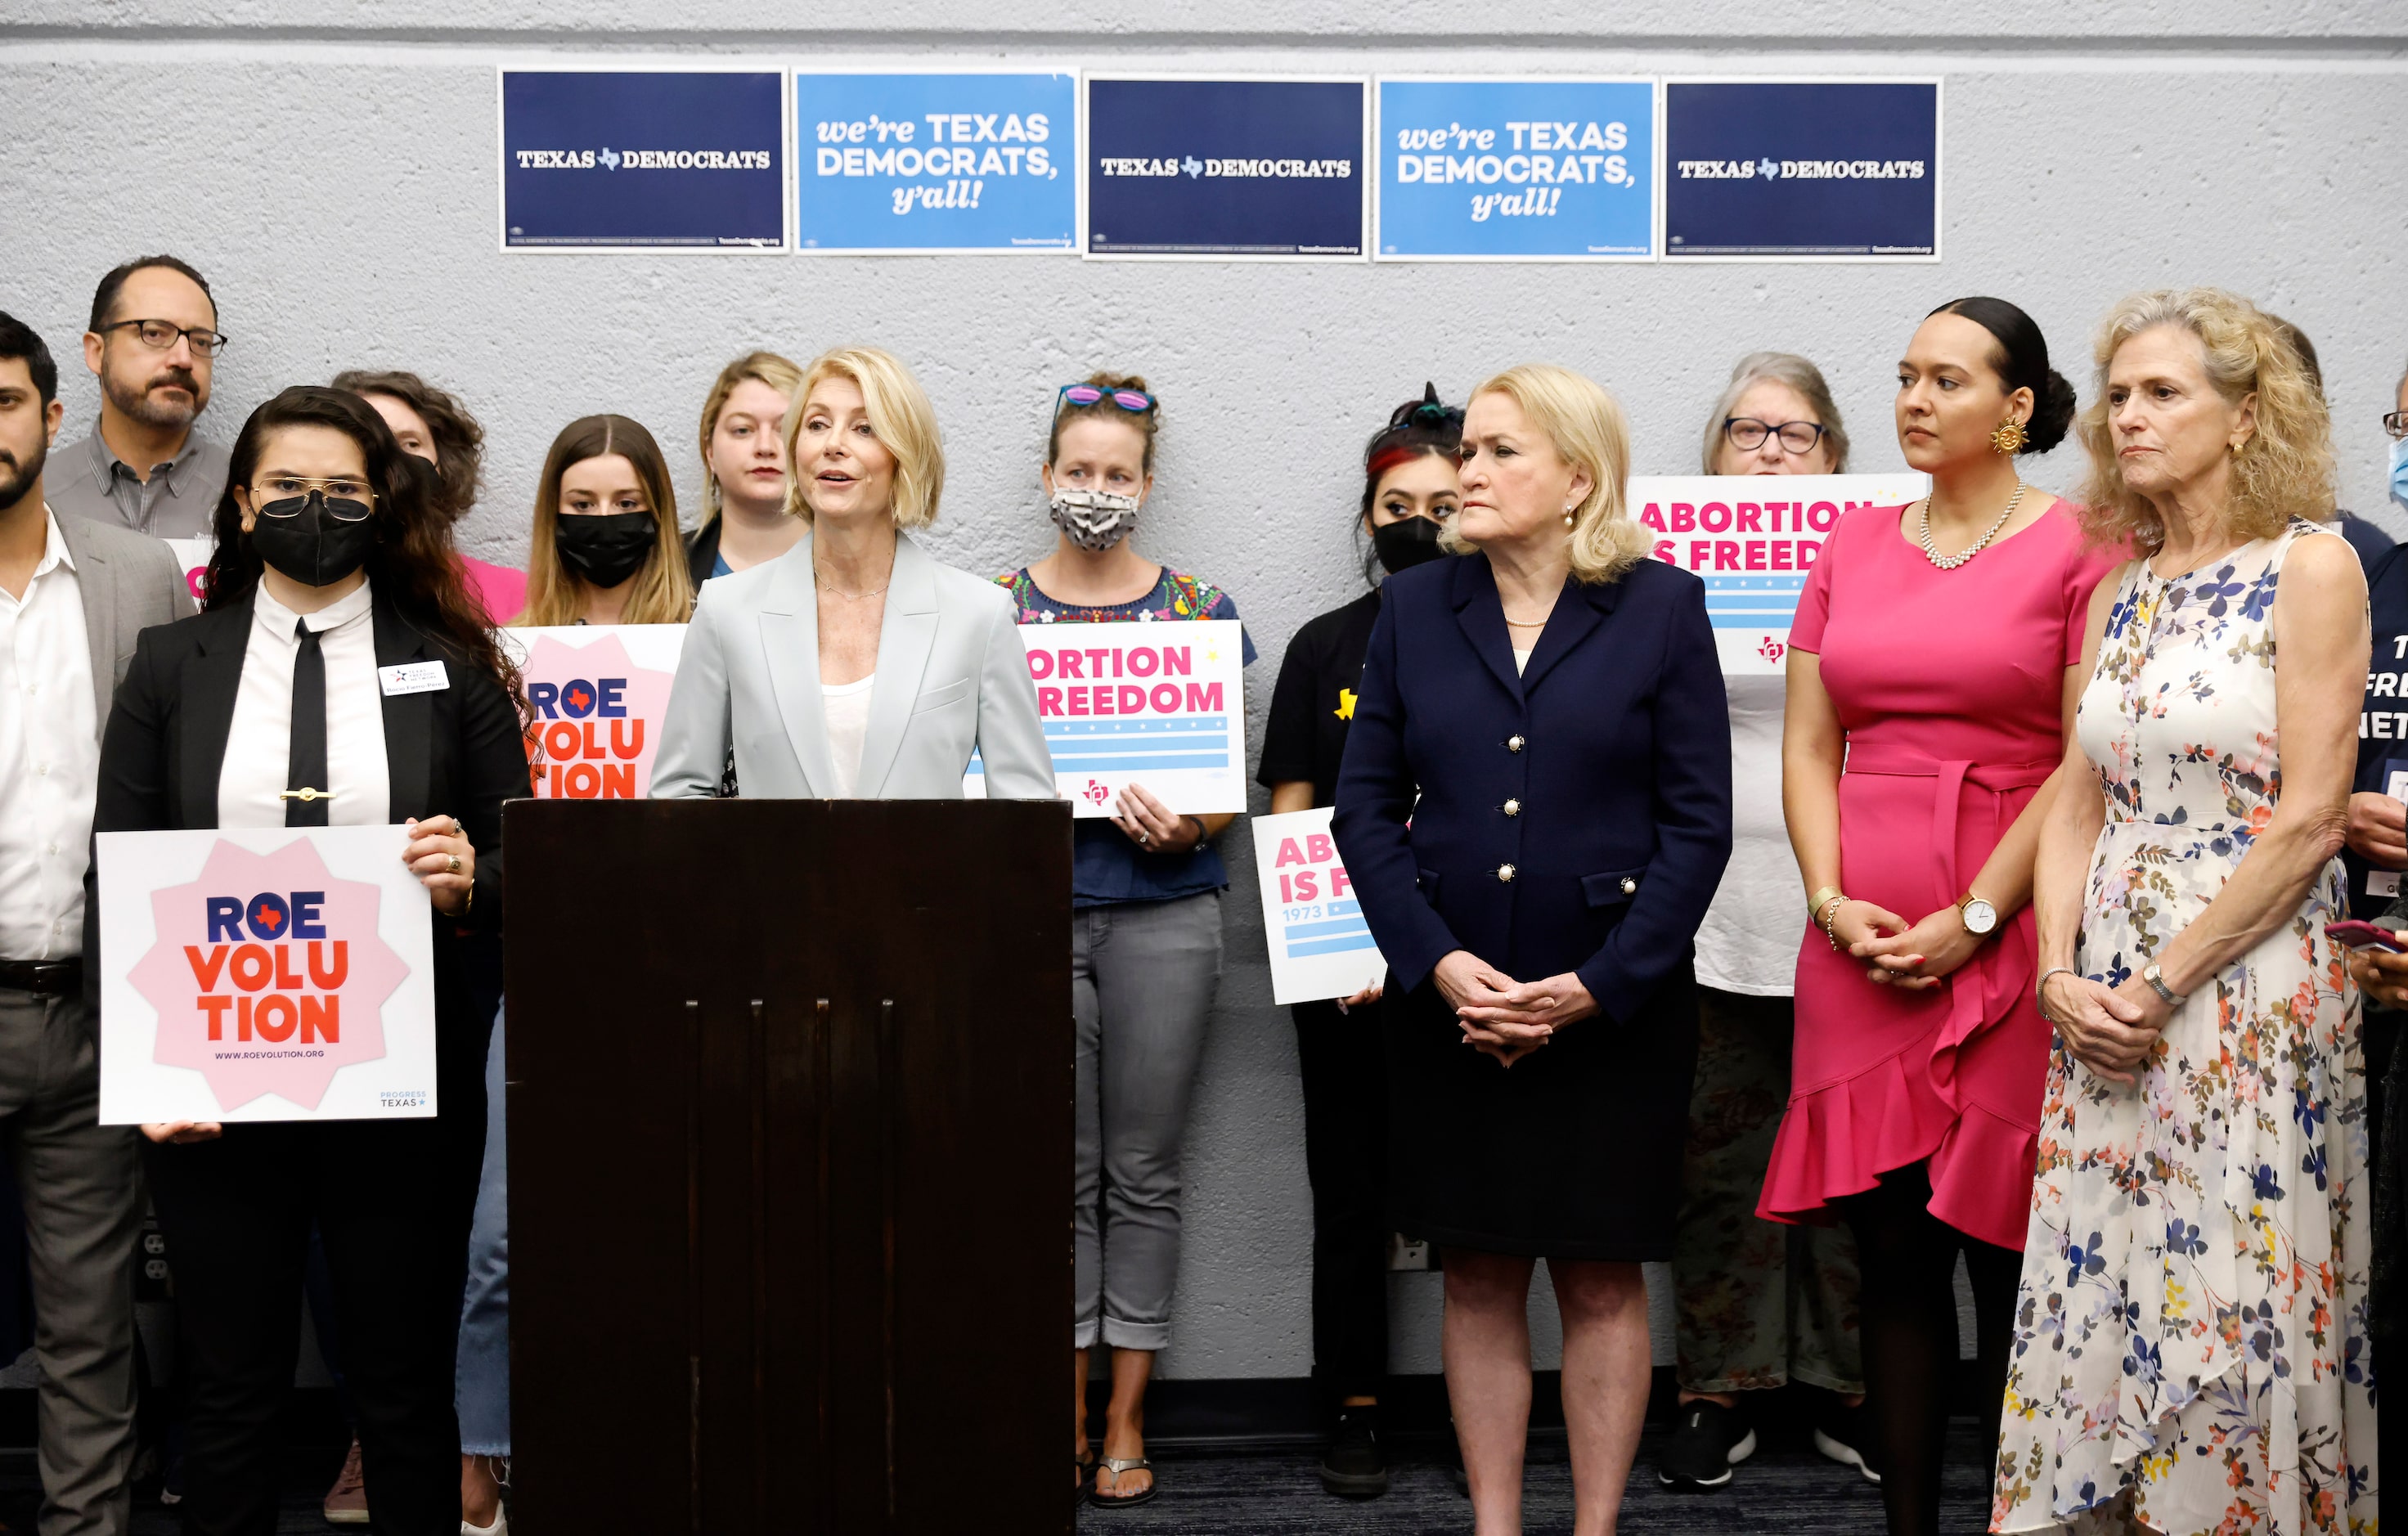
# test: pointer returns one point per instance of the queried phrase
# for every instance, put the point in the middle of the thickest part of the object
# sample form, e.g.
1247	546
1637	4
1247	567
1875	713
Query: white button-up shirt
259	743
49	759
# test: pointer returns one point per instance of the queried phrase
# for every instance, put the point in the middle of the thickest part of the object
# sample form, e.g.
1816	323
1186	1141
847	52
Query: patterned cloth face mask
1094	520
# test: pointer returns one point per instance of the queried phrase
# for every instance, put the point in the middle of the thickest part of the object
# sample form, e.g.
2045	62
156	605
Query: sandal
1117	1466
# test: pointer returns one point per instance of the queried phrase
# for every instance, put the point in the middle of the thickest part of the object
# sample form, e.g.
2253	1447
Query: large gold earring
2009	438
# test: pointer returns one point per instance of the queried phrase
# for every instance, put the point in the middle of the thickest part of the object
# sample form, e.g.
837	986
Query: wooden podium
790	1122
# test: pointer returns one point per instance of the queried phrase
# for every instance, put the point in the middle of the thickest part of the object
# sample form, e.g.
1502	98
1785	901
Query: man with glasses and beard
153	342
73	596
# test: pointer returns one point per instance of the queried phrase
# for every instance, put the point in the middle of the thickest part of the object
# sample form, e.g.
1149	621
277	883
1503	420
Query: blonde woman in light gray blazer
854	665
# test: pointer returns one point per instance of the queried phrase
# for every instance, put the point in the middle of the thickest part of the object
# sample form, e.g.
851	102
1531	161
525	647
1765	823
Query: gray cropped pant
1142	975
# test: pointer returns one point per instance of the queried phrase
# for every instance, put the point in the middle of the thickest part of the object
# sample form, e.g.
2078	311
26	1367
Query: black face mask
1406	543
604	549
313	546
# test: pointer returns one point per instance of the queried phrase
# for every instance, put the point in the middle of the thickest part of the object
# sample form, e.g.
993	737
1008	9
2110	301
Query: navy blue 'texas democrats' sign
1825	169
1234	167
643	159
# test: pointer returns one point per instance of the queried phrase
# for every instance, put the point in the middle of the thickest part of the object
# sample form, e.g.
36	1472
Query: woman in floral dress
2190	1354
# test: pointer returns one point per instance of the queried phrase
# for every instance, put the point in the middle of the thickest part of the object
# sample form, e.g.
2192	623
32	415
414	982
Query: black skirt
1572	1153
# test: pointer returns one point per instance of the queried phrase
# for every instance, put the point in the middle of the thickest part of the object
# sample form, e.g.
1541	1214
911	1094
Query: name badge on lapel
413	677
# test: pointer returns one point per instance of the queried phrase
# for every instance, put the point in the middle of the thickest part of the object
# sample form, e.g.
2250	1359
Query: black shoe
1354	1466
1840	1434
1708	1440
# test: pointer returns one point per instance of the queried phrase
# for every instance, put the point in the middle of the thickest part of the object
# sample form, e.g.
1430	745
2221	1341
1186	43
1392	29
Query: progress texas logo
645	160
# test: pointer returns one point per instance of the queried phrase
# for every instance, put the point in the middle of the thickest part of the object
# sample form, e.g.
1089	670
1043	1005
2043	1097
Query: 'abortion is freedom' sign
1161	705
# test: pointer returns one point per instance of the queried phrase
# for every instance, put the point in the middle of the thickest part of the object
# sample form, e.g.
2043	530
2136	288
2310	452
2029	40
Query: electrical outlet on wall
1406	1252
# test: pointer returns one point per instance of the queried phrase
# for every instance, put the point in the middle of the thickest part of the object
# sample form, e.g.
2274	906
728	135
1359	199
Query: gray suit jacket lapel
96	584
790	649
905	637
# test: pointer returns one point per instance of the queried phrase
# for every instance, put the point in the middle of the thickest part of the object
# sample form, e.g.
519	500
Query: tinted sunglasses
1088	394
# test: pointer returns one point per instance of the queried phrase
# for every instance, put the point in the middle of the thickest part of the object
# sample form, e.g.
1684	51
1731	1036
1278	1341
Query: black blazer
454	752
1575	817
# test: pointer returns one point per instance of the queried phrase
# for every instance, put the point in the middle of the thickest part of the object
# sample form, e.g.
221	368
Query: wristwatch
2157	979
1980	918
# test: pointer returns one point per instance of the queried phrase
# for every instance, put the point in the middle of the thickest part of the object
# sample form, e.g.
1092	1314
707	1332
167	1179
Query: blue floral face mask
2399	471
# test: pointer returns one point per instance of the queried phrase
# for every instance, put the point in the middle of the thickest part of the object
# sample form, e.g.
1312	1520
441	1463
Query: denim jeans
483	1393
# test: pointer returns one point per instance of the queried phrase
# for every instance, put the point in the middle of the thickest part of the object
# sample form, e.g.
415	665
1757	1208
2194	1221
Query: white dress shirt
259	745
49	759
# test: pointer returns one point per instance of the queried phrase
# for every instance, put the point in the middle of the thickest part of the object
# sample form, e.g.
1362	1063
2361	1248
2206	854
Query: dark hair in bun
1426	427
2021	361
1415	428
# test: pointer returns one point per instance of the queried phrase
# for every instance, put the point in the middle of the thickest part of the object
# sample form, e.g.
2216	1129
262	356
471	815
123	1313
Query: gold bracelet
1823	915
1821	897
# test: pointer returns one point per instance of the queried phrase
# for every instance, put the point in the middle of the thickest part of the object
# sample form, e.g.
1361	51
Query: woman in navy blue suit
1555	704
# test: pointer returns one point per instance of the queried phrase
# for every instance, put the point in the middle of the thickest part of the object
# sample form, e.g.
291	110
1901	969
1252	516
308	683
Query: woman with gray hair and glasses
1758	1304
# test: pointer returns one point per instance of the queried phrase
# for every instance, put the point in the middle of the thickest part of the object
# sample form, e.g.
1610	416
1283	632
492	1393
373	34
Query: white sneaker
501	1526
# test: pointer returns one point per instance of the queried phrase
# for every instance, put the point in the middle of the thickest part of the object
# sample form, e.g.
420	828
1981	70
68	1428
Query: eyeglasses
1747	433
346	500
1088	394
160	335
2395	422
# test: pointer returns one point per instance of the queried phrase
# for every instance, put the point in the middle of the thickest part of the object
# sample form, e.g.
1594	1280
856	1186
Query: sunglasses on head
1088	394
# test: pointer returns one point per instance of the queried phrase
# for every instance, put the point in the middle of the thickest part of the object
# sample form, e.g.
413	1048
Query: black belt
43	978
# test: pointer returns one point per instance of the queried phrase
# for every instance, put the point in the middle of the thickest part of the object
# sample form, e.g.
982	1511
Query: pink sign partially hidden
598	720
268	974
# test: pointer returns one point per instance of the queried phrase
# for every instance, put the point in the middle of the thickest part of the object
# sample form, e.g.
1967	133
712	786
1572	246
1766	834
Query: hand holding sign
444	861
1154	827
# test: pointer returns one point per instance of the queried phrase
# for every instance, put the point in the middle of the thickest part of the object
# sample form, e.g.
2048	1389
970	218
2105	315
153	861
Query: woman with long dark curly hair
266	710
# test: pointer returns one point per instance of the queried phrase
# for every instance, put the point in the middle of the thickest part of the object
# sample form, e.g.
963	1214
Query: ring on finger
452	866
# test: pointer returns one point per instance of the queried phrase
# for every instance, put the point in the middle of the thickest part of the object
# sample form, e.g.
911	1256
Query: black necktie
306	769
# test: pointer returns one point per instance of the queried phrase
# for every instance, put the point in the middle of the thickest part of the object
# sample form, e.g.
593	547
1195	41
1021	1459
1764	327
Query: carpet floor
1784	1488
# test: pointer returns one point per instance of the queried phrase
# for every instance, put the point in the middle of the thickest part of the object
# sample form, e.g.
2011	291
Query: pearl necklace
1950	562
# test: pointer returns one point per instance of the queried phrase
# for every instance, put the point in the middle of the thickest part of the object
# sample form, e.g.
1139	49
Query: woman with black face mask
604	546
267	709
1409	491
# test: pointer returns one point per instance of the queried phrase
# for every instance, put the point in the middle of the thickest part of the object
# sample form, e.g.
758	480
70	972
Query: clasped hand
1505	1018
1899	953
2111	1030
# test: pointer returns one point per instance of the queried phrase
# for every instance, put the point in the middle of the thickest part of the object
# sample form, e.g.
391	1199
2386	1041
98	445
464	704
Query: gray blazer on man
129	582
951	676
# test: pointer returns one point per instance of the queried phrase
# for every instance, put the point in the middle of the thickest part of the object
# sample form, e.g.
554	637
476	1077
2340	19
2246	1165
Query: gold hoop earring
2237	447
2009	438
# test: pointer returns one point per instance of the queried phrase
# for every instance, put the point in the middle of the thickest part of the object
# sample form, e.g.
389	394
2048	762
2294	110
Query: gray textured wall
330	167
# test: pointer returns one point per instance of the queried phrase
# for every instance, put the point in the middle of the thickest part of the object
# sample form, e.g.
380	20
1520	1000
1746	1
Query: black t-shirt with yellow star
1314	702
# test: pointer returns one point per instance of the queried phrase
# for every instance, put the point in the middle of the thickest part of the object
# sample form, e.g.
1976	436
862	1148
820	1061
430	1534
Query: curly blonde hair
1586	425
2284	469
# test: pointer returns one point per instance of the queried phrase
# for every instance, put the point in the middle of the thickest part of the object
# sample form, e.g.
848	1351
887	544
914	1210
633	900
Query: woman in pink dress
1932	660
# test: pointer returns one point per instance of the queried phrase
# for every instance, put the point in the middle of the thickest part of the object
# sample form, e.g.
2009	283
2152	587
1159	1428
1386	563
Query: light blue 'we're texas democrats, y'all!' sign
1520	169
941	161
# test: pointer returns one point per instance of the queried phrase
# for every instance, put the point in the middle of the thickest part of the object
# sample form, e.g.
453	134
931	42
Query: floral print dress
2190	1350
